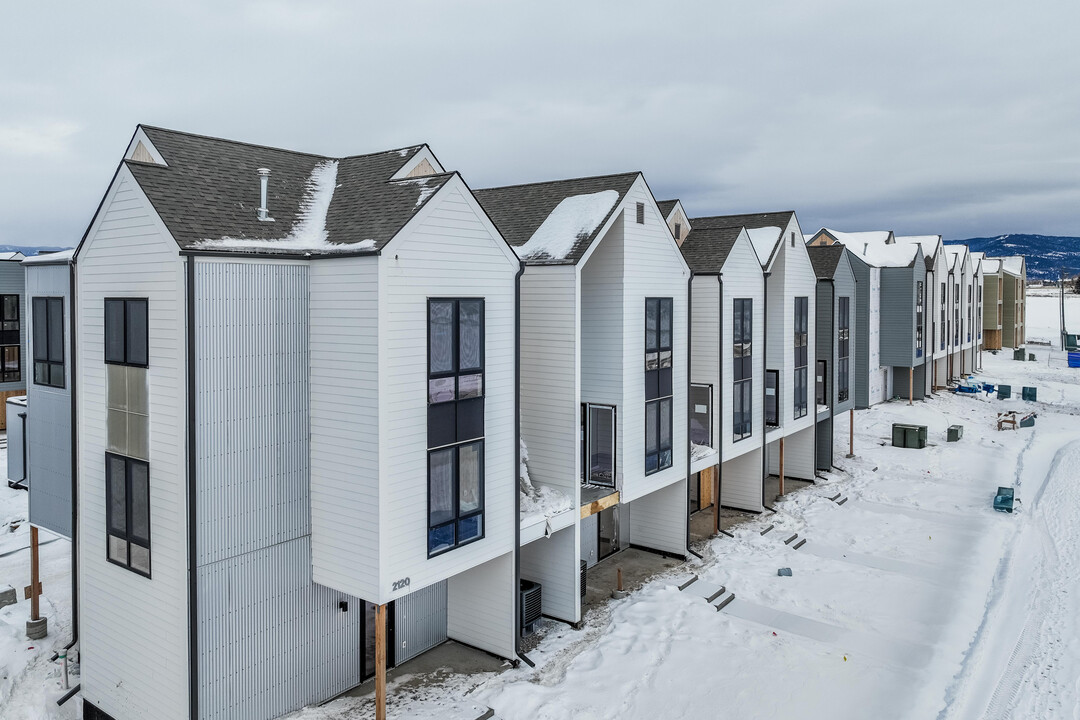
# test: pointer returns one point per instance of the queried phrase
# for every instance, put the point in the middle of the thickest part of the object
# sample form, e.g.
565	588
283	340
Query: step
842	501
688	583
706	590
725	602
792	539
766	530
800	544
835	497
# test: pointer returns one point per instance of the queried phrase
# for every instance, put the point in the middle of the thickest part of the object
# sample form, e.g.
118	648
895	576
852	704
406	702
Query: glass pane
441	486
56	375
140	558
41	373
11	359
651	460
11	307
470	419
140	502
442	424
737	321
440	538
602	445
652	423
441	336
652	311
665	359
469	477
665	382
652	384
41	335
118	549
470	528
748	320
137	332
665	323
114	331
116	488
470	386
470	333
56	330
440	390
652	360
665	423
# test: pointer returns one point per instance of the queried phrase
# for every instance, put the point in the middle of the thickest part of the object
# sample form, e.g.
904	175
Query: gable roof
706	250
825	259
874	247
1013	264
666	206
519	211
764	240
209	191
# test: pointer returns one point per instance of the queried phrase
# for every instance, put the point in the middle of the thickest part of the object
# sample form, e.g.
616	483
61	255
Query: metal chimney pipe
264	179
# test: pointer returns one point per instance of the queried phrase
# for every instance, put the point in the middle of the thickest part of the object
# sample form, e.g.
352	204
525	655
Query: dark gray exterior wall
898	288
860	371
827	348
48	427
13	282
845	286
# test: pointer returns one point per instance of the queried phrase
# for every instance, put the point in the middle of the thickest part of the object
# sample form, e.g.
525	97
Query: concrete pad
638	566
772	487
435	668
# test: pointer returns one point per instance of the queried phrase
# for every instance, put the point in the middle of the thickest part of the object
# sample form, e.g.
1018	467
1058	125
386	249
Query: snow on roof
43	258
13	255
858	238
1013	264
929	243
894	255
764	240
574	218
309	233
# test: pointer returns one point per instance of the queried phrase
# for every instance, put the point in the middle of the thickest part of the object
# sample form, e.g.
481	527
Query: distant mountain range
29	250
1045	253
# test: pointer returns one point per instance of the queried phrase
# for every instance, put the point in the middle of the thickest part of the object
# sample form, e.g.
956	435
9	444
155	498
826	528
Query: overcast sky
959	118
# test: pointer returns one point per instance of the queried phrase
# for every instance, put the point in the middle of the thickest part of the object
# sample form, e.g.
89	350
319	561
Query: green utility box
909	436
1019	354
1070	342
1029	393
1027	421
1004	391
956	432
1031	357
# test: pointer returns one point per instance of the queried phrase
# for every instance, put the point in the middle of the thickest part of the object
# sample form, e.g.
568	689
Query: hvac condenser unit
16	436
530	604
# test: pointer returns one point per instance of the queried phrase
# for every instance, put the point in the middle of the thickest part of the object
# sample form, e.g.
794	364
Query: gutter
193	605
689	382
832	371
517	464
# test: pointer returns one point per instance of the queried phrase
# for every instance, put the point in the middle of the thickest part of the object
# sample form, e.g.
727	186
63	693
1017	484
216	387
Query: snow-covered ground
913	599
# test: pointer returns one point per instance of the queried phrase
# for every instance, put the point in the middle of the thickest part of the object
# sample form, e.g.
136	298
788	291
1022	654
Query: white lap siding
449	249
553	562
479	610
705	345
742	279
133	629
658	520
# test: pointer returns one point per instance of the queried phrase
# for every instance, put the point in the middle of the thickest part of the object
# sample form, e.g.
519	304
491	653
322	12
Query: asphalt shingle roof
749	221
706	250
825	258
666	206
519	210
210	190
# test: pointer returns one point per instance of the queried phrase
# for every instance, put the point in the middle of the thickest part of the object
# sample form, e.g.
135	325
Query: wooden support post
35	587
911	386
851	433
380	662
618	582
781	466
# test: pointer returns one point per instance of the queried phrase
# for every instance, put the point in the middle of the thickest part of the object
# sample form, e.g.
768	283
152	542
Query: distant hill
1045	253
29	250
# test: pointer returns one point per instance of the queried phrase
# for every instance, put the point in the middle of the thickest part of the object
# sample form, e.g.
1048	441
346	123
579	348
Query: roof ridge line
552	182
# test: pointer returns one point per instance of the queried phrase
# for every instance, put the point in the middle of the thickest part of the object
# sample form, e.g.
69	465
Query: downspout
72	325
193	606
764	389
517	464
689	382
720	401
832	372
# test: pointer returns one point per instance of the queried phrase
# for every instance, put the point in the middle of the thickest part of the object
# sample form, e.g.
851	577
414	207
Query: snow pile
928	243
309	232
422	183
538	501
699	452
764	239
573	219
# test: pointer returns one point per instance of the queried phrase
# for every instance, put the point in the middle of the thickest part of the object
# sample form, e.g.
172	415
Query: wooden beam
35	579
597	505
911	385
851	433
380	662
781	466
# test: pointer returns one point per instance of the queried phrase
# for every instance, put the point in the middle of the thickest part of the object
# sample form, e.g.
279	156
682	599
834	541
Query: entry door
367	667
695	492
609	531
822	398
772	397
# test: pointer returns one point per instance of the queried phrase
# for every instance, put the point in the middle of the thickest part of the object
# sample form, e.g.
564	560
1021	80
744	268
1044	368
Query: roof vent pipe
264	179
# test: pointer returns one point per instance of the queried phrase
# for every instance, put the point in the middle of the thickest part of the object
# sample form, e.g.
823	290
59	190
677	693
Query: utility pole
1064	272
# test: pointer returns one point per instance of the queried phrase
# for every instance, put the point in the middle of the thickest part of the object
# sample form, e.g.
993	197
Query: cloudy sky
960	118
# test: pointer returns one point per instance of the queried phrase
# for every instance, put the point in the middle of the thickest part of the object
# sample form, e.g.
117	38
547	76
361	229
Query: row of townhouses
282	403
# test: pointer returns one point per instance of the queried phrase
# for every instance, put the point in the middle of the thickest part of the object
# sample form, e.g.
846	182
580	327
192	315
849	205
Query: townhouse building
1013	301
993	285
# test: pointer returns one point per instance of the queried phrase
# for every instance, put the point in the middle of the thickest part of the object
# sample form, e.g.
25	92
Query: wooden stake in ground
35	579
618	583
911	386
781	466
851	433
380	662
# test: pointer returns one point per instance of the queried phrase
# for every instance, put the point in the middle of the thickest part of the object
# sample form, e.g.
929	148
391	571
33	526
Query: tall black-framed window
455	431
742	366
701	414
598	444
843	348
802	354
772	398
822	373
659	339
10	344
48	327
919	319
944	332
127	512
127	332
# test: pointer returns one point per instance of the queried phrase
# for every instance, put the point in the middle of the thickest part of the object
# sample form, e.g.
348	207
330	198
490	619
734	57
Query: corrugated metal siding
553	562
270	640
252	406
12	282
419	621
48	428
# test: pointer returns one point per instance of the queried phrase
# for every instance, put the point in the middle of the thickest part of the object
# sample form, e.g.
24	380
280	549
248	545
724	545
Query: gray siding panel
419	621
844	286
898	317
860	371
12	282
270	640
48	440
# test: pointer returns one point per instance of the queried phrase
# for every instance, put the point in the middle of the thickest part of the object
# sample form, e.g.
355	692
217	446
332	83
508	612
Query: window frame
801	335
6	345
454	406
47	301
662	376
843	348
919	319
708	388
586	440
126	301
742	375
128	536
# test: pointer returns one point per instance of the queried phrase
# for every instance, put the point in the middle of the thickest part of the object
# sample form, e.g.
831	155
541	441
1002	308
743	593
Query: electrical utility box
956	432
16	435
909	436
